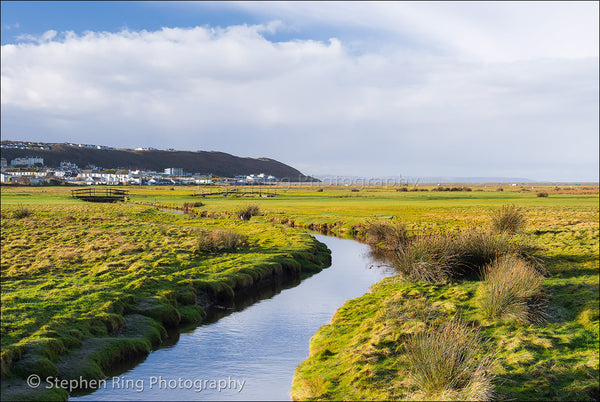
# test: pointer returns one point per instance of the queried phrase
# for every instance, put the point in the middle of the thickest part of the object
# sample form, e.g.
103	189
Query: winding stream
249	352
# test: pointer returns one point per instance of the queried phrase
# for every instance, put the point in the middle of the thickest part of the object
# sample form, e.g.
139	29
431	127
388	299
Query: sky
371	89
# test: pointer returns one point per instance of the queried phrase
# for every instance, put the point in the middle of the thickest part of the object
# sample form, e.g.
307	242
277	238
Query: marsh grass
248	212
477	248
188	206
427	258
65	264
512	289
22	212
220	241
509	219
387	235
444	256
449	362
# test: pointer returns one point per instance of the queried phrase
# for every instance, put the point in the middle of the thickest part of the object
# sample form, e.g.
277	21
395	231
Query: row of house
31	169
71	174
27	161
46	145
25	145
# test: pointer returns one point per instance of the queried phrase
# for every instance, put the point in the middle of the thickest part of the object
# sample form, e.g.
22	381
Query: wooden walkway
100	194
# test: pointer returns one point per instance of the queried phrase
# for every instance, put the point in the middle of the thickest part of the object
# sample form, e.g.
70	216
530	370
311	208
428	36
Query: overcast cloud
452	89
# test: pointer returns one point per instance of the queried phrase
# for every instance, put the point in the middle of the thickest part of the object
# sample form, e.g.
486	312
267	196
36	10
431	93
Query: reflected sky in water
261	345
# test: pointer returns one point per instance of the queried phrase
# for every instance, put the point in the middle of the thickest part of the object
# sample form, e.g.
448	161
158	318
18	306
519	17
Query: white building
68	166
27	161
104	178
5	177
174	171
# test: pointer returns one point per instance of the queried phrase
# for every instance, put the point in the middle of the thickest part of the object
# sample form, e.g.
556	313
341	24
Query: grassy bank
368	350
85	286
99	284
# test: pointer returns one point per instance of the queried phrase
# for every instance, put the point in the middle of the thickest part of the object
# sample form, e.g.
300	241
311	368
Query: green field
103	281
86	285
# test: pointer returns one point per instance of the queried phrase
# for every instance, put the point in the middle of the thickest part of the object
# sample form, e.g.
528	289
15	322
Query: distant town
31	170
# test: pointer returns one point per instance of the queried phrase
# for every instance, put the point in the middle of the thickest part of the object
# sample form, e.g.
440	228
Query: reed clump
215	241
449	362
426	258
509	219
188	206
248	212
387	235
512	289
22	212
441	257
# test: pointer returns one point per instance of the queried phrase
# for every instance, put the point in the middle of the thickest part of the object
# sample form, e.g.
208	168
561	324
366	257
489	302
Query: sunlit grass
71	271
513	289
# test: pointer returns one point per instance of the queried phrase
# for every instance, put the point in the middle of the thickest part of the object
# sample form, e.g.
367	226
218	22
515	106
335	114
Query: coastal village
31	170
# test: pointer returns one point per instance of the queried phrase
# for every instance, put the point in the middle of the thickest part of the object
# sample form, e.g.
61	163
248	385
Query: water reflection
257	343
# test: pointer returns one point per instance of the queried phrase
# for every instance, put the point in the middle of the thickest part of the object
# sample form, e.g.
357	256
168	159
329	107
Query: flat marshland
87	285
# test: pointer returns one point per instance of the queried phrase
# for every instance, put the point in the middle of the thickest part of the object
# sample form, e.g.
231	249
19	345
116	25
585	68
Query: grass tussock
215	241
440	257
248	212
509	219
449	362
426	258
189	206
441	188
512	289
22	212
387	235
478	248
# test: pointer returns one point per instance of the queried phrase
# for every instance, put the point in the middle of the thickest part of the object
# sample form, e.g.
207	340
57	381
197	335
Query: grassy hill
216	163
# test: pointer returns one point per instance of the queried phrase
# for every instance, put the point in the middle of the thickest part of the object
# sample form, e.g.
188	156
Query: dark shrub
542	194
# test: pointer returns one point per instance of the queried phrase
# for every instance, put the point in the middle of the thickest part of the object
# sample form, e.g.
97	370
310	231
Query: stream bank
259	345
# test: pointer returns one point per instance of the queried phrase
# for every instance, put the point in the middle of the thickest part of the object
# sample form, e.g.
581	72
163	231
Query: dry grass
22	212
449	362
387	235
512	289
426	258
509	219
478	248
248	212
220	241
440	257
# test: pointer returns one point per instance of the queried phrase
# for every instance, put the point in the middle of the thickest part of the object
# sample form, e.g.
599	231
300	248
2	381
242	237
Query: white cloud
485	31
312	104
8	27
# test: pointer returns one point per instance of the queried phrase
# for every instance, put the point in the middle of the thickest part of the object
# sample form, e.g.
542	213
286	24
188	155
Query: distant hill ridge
204	162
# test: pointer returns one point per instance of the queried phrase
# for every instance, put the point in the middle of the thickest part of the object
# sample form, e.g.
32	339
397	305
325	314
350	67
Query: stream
250	351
